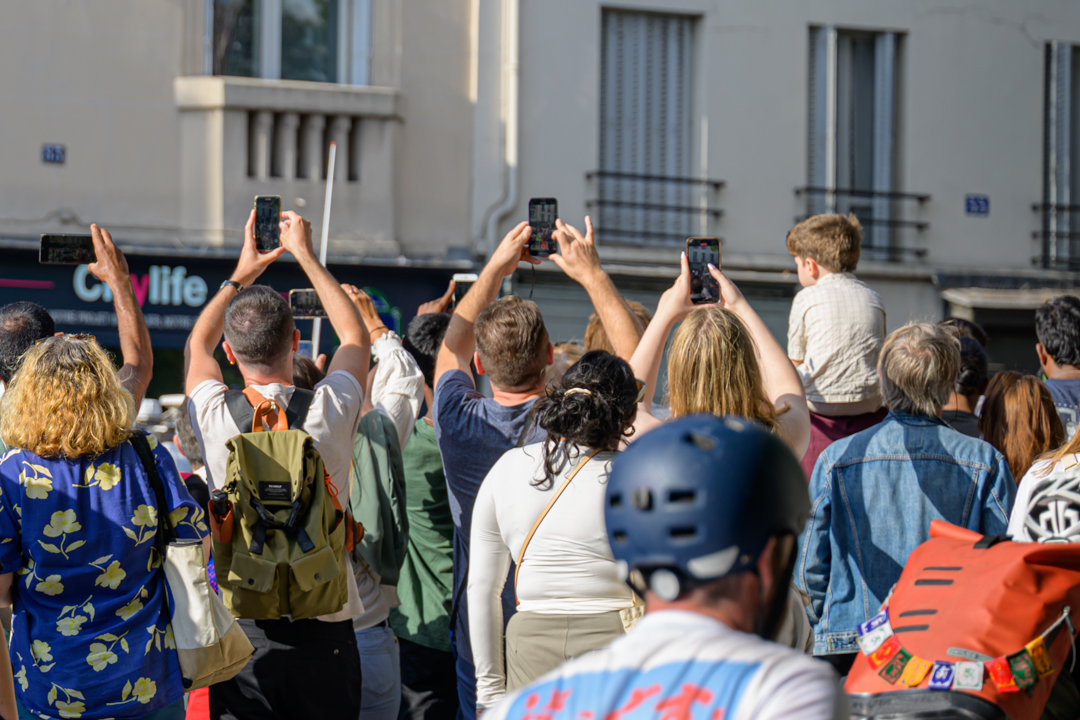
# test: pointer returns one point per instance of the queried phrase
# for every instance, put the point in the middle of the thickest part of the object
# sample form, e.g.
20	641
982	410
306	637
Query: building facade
950	130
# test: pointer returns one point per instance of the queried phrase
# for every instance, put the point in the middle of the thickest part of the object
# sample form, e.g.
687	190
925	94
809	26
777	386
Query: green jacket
377	496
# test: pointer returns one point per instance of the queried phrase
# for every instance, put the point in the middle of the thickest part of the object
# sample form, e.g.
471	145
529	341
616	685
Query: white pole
316	329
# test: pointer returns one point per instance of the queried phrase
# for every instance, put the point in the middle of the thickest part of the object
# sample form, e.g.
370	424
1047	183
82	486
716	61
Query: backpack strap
241	406
989	541
240	409
299	404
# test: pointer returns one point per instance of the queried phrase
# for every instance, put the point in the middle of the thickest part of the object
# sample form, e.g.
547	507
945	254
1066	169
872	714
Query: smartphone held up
462	283
66	250
267	223
542	215
305	304
700	253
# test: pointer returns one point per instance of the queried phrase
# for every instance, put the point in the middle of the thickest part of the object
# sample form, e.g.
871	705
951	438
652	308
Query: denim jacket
873	495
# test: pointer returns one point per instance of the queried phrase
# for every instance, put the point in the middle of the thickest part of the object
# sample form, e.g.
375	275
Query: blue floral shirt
91	636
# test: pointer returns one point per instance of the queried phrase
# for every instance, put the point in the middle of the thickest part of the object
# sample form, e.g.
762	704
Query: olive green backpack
280	540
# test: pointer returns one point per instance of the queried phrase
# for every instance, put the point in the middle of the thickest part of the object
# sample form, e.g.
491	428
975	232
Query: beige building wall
478	105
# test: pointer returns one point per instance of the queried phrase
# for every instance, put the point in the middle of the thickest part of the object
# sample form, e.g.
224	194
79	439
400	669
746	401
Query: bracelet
381	327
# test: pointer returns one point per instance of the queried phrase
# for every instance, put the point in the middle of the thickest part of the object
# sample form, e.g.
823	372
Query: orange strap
547	509
265	408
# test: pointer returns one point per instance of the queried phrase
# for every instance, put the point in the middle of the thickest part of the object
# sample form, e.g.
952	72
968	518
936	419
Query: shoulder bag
211	645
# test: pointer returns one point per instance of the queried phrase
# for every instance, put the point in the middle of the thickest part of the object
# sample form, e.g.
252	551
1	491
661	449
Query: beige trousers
537	644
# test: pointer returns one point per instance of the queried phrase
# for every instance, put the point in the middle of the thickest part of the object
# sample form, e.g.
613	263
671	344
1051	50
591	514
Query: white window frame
353	40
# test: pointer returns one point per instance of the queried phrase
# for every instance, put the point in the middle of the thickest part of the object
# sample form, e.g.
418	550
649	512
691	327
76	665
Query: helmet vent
684	533
703	441
619	536
615	500
681	496
641	498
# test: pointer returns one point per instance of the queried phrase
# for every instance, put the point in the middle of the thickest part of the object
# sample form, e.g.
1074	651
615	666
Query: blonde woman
723	360
91	635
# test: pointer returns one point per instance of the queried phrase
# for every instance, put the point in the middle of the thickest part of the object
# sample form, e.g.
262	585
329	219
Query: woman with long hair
91	634
723	360
1020	420
568	588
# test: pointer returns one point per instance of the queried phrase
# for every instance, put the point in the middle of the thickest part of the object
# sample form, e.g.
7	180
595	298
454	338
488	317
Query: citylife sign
162	285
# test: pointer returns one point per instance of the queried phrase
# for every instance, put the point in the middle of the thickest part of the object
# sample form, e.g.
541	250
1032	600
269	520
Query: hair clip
577	391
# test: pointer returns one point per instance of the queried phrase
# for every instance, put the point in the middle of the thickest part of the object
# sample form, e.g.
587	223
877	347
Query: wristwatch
231	283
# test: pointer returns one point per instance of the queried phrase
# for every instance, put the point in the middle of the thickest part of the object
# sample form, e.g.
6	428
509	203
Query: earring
232	362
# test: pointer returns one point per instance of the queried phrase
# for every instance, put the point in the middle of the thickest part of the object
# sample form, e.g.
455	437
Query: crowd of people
396	544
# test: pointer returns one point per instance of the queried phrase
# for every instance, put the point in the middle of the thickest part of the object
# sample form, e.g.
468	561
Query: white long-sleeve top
568	567
398	388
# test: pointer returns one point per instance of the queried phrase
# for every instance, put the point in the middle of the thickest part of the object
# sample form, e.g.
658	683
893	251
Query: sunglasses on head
75	336
640	389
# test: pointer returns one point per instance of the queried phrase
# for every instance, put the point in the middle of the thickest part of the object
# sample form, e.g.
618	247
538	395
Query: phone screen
267	223
462	283
67	250
700	252
305	349
542	214
306	304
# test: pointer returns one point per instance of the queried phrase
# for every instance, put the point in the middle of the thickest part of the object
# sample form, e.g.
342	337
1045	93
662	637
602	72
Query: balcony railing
243	137
637	209
1059	236
878	212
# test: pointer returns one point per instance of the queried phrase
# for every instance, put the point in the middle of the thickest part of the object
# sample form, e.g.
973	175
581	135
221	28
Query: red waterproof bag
963	597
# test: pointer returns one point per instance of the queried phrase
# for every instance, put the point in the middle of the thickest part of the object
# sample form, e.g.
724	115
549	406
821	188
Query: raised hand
577	255
433	307
252	263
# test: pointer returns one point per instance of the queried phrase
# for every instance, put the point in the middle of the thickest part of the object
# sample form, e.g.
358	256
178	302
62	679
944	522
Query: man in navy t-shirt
1057	325
508	342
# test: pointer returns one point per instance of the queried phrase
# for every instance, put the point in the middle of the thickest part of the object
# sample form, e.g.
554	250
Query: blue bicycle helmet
698	498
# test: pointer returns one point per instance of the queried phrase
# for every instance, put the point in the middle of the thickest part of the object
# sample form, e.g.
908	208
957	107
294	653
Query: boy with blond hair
835	332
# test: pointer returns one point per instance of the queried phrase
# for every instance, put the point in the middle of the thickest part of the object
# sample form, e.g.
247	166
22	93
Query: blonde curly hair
66	400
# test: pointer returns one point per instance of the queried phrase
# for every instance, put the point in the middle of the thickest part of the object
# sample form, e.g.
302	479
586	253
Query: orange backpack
976	625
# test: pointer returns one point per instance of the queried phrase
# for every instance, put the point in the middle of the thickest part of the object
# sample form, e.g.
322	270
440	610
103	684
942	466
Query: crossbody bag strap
547	509
165	532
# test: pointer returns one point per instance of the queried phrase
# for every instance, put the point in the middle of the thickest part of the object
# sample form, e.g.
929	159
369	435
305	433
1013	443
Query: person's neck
429	401
511	398
960	403
727	611
266	376
1054	371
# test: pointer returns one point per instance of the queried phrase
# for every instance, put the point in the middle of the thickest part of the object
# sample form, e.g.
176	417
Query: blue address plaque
977	205
53	153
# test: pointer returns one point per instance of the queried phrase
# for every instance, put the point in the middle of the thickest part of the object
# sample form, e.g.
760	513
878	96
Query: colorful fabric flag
915	672
1001	674
1044	666
968	676
883	654
894	669
873	639
875	622
941	677
1023	669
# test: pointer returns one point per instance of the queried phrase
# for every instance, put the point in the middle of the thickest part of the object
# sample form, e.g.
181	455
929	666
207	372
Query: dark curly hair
592	405
1057	325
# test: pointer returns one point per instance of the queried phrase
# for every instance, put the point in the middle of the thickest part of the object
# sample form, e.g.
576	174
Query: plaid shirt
836	328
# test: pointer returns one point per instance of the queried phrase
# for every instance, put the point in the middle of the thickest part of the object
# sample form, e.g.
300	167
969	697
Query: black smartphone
462	283
67	250
701	251
267	223
542	215
305	304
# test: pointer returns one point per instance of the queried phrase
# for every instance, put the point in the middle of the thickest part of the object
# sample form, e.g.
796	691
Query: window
1061	162
317	40
852	128
645	183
